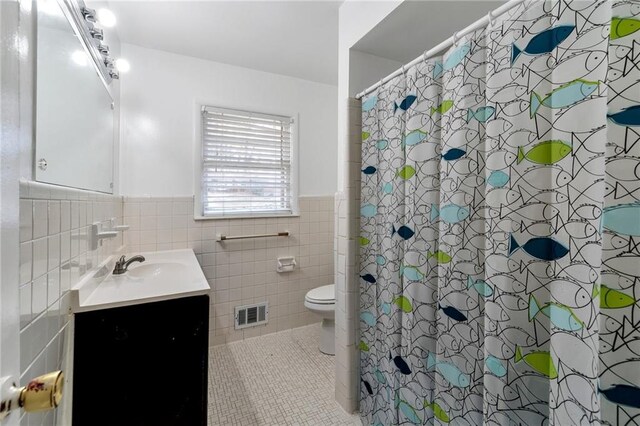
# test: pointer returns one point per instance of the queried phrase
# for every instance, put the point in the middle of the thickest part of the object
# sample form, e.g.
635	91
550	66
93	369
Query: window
246	164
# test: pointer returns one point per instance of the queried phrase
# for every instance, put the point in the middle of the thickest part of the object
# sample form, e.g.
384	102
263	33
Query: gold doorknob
42	393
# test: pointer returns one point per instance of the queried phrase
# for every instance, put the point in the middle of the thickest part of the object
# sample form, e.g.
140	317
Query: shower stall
499	223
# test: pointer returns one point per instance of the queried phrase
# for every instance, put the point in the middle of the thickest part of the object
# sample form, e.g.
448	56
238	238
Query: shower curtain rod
446	44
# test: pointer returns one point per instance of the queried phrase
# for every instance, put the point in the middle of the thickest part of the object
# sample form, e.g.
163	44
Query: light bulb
122	65
79	57
106	18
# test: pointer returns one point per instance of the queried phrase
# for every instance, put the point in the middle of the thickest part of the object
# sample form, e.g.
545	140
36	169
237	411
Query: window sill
257	216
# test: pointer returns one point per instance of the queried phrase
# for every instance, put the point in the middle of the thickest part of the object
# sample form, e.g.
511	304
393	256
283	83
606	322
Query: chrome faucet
122	264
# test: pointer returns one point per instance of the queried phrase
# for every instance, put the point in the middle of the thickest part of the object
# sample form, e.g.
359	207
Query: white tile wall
242	272
54	255
346	276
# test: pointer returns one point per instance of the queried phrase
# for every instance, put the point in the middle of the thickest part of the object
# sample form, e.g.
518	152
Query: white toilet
322	301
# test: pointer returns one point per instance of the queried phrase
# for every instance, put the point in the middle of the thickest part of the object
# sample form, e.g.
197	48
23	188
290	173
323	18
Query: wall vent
251	315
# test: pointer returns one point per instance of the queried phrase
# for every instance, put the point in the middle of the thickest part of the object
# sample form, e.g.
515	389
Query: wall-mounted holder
40	394
79	236
286	264
98	234
114	227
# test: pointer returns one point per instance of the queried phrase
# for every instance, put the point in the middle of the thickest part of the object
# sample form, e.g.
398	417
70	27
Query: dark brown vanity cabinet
142	365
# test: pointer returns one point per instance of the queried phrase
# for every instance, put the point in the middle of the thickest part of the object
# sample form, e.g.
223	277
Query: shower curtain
500	226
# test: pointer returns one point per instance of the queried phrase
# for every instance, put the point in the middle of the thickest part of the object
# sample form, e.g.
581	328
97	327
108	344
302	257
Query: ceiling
294	38
415	26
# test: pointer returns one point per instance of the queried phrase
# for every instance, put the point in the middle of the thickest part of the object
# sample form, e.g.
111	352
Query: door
11	132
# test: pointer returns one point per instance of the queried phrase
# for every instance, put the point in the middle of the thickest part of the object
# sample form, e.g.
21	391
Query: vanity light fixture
89	14
103	49
87	20
122	65
97	33
112	68
106	18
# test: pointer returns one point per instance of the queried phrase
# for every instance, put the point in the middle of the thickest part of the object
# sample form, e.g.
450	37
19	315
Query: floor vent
251	315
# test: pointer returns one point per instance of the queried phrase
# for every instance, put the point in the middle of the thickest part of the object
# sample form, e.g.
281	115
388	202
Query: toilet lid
324	294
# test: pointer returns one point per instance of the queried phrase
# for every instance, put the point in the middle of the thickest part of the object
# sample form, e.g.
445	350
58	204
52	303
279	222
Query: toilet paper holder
286	264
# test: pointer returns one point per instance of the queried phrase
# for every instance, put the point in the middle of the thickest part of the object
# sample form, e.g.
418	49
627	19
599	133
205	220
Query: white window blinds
246	163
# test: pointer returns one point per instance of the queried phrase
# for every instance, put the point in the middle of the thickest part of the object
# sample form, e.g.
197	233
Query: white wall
355	70
356	19
366	69
159	97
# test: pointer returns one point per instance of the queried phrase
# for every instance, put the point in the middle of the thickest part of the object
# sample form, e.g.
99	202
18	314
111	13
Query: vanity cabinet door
142	365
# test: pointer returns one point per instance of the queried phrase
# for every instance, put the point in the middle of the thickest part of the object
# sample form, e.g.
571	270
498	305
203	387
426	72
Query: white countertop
164	275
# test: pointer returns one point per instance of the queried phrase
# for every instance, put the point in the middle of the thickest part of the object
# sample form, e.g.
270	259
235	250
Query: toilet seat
325	295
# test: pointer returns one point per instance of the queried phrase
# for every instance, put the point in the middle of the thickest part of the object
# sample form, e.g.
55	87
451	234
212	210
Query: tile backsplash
244	271
54	255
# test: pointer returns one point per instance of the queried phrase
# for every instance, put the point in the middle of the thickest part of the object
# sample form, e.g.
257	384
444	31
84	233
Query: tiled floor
276	379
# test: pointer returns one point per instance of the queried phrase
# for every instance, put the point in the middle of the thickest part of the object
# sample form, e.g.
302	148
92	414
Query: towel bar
221	237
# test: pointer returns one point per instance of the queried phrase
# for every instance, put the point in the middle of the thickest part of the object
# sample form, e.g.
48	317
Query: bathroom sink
170	271
163	275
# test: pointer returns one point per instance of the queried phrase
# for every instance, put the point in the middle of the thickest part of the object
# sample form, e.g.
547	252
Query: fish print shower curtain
500	226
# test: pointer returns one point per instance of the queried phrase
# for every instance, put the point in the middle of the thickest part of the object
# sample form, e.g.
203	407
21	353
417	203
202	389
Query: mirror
74	109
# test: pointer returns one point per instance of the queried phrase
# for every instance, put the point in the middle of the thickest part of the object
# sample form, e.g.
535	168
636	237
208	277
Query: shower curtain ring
424	56
402	69
455	39
491	18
